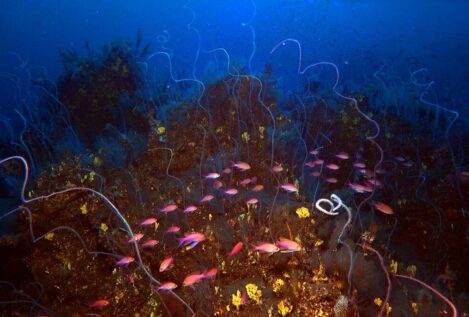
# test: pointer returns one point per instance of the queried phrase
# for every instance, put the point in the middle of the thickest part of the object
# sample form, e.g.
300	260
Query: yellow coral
284	307
49	236
104	227
84	208
302	212
245	136
254	293
378	302
411	270
261	132
160	130
393	266
278	284
236	299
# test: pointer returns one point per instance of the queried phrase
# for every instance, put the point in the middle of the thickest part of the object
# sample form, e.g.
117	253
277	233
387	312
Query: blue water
408	59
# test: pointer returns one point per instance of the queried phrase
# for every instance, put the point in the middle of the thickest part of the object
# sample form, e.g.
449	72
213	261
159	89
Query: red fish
172	229
147	222
167	286
386	209
257	188
238	246
217	184
165	264
211	273
242	166
100	303
135	238
290	188
150	243
193	279
227	170
125	260
331	180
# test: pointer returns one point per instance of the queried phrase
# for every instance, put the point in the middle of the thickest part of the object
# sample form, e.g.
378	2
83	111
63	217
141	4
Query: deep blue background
357	35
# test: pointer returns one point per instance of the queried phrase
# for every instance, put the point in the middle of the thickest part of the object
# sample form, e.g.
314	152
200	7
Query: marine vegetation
234	204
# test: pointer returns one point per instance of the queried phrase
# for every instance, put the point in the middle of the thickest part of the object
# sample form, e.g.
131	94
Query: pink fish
310	164
408	164
211	273
165	264
100	303
266	248
464	177
374	182
227	170
331	180
190	208
288	246
245	182
207	198
332	166
361	188
147	222
290	188
192	238
318	162
315	173
357	187
277	168
359	165
169	208
192	279
257	188
314	152
380	171
400	158
237	247
172	229
231	191
150	243
242	166
343	155
212	176
167	286
125	260
386	209
252	201
217	184
135	238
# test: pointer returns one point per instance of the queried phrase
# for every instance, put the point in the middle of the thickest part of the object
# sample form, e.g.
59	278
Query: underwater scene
234	158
